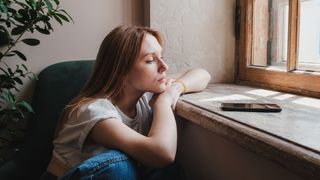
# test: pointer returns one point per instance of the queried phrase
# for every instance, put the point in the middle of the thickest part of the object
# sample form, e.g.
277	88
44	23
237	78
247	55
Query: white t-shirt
69	145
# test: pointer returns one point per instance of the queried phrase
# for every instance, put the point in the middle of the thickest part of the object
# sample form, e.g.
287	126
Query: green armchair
57	85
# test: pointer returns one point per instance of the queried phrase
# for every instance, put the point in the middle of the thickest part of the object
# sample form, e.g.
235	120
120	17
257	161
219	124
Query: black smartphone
251	107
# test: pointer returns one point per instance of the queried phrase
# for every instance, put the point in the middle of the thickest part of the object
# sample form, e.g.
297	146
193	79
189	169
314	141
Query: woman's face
148	73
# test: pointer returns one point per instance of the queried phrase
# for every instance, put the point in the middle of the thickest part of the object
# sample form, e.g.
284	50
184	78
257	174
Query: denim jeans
116	165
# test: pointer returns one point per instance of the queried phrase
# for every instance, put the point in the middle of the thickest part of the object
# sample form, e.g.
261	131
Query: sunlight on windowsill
252	96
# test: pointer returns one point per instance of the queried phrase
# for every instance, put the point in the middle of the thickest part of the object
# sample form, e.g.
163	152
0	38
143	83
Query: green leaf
49	5
20	72
31	41
65	12
45	18
10	72
32	76
33	13
4	37
26	105
57	19
18	30
31	3
48	25
7	97
12	11
25	15
18	80
24	66
57	2
3	7
34	4
22	56
9	55
63	17
41	30
20	19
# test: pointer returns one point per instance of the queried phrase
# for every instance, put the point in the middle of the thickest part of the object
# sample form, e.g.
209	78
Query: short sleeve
92	113
148	96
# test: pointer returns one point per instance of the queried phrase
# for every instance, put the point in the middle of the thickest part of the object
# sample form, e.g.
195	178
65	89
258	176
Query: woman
123	120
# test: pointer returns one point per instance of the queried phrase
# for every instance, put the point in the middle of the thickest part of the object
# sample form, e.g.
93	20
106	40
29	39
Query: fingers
169	83
170	93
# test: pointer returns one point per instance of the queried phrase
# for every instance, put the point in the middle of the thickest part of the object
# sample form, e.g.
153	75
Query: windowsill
290	138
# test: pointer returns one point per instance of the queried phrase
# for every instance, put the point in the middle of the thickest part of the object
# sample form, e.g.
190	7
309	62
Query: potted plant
16	18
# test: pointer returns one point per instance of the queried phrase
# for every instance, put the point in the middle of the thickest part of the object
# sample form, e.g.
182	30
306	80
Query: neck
127	101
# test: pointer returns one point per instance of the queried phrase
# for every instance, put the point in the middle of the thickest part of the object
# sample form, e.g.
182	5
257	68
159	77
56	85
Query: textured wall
197	33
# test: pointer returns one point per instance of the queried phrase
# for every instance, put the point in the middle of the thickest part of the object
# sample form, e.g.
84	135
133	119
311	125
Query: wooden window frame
290	79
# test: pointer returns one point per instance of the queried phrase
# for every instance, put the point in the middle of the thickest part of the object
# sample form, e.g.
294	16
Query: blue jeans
114	164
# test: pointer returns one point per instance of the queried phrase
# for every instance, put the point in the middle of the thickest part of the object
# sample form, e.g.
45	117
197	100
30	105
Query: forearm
163	131
194	80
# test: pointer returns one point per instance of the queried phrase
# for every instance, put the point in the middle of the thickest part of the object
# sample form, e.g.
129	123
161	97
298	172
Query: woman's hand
170	95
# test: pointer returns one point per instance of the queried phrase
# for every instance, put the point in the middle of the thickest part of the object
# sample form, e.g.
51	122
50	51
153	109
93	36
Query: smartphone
251	107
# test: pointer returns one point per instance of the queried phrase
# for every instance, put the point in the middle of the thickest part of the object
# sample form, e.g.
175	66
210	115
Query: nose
162	66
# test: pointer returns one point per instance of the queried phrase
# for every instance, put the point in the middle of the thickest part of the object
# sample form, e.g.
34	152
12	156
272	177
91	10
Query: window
279	45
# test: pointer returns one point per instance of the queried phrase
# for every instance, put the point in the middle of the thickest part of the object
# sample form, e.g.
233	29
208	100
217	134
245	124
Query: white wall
81	40
197	34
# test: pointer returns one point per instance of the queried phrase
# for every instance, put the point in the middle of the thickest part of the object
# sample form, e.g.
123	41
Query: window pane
309	35
270	33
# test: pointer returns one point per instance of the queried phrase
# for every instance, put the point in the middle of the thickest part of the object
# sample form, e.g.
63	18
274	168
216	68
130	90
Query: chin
159	90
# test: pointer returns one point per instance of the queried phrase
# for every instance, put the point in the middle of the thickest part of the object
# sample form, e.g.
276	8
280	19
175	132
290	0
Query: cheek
140	78
139	75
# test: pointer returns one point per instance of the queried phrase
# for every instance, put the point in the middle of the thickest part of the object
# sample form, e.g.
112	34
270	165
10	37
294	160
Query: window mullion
293	35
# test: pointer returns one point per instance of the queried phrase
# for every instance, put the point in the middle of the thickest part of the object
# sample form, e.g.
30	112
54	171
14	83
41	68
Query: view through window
279	45
270	34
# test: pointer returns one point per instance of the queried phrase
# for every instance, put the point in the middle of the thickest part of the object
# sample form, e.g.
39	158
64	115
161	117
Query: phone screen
254	107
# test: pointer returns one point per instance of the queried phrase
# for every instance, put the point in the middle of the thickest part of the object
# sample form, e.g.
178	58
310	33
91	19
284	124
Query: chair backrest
57	85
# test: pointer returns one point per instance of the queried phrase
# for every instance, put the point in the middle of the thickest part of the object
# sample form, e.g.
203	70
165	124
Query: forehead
150	45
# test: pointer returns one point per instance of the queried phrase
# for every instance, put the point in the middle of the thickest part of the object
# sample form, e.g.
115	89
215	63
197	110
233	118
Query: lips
162	80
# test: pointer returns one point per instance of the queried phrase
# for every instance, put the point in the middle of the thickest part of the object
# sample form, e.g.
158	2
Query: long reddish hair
116	56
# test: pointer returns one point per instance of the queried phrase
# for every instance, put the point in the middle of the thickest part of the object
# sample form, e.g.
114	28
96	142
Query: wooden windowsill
290	138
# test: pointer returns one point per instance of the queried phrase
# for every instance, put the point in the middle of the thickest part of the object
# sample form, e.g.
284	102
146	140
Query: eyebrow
148	53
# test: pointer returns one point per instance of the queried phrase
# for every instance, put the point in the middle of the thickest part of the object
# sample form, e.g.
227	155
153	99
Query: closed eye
149	61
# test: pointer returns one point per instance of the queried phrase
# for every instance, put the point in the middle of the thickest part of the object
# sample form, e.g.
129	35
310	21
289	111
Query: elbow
165	159
206	75
165	156
203	74
169	156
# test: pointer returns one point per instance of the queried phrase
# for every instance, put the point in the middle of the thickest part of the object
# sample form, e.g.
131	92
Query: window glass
270	33
309	35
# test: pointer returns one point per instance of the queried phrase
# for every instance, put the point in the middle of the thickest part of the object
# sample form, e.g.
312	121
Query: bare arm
158	148
194	79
